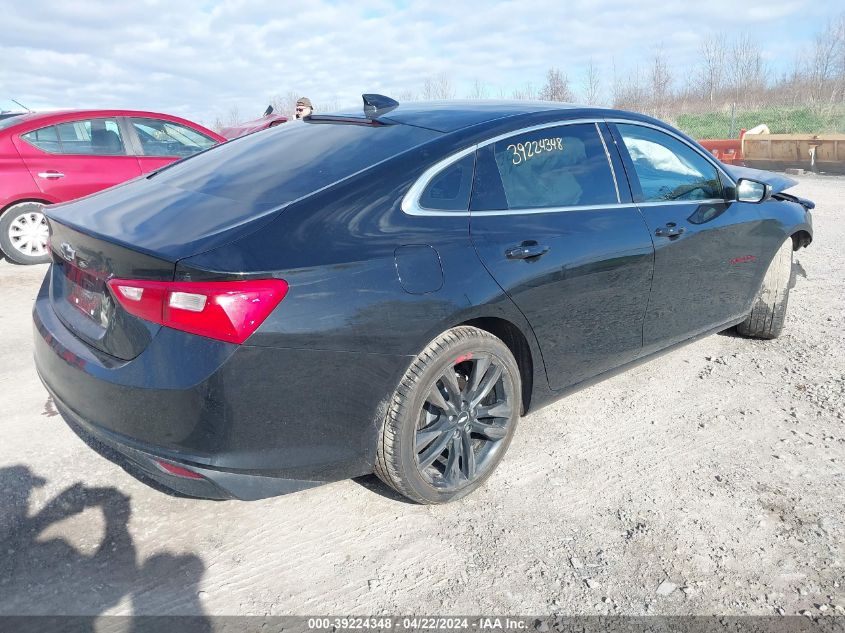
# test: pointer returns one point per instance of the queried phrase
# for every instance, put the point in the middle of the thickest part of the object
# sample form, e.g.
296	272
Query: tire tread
768	314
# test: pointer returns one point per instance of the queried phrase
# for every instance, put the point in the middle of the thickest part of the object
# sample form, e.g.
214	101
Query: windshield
284	163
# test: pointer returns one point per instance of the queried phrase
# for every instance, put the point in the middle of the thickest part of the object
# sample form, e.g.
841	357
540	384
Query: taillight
224	310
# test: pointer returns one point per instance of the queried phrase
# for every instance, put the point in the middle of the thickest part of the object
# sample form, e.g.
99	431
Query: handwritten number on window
523	152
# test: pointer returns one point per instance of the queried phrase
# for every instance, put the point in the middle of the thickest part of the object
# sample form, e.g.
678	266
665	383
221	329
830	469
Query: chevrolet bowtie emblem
68	252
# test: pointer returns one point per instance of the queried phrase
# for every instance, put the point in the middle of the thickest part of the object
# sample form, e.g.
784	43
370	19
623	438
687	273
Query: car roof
450	116
453	115
57	116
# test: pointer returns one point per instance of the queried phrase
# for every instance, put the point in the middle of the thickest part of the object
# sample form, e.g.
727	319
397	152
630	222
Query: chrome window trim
410	202
534	128
609	162
611	206
597	207
664	203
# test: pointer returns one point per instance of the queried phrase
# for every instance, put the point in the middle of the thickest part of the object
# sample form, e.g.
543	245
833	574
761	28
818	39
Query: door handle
51	174
527	250
670	230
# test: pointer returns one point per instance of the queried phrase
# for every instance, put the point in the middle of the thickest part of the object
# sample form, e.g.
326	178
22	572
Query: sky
203	59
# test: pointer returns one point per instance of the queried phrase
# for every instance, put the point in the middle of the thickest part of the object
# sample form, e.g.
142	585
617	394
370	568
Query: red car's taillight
225	310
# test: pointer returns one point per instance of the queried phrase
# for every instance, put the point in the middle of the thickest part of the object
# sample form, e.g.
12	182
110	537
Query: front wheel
452	417
24	233
769	311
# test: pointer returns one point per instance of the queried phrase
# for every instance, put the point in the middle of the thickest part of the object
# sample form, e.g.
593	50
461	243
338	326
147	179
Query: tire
769	312
23	233
452	417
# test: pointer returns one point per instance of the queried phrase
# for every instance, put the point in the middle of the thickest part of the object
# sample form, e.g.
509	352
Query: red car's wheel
24	233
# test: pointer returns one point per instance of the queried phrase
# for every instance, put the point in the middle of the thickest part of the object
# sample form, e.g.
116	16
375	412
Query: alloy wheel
465	417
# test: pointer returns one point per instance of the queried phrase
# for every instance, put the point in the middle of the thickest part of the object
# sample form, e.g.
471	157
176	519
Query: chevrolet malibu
391	290
52	157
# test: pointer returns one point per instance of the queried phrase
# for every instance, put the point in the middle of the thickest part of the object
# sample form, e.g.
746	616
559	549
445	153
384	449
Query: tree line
729	73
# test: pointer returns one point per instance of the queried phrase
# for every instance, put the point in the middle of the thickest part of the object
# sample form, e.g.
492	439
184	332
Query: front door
707	249
570	249
161	142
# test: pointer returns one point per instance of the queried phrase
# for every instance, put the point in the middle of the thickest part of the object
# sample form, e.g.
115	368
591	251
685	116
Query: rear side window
89	137
45	139
165	138
667	168
554	167
292	160
449	190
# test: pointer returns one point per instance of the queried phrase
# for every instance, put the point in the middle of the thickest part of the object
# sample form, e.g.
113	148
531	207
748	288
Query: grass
713	125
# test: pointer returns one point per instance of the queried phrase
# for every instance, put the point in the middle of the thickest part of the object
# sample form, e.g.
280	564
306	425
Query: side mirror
268	111
752	191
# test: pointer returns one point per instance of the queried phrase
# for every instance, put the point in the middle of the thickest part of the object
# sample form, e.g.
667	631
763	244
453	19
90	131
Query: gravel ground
707	481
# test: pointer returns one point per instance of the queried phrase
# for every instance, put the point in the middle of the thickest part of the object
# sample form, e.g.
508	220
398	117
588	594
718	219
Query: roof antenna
21	105
375	105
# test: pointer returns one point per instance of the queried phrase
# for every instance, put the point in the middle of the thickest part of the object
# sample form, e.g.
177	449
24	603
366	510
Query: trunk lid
82	265
168	223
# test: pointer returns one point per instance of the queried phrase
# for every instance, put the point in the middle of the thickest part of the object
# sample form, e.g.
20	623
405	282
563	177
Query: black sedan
390	290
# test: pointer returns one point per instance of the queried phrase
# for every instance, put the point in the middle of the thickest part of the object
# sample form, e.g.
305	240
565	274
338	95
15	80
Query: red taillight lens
224	310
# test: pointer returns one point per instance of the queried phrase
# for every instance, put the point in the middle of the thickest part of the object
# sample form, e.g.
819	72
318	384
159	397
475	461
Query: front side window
667	168
89	137
554	167
165	138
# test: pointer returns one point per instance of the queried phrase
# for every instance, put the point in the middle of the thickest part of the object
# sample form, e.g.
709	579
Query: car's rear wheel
769	312
24	233
452	417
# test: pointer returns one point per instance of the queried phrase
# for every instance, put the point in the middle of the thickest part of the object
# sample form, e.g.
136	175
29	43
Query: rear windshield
9	121
289	161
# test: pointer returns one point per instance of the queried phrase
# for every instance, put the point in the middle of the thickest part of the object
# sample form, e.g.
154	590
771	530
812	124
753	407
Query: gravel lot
708	481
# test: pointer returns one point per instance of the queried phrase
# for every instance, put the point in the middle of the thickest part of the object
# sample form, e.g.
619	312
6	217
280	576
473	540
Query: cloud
199	58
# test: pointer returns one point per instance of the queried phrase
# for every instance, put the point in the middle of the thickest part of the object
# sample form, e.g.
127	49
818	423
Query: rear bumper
143	463
253	421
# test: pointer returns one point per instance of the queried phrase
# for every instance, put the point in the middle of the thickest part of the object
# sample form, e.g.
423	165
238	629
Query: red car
267	120
53	157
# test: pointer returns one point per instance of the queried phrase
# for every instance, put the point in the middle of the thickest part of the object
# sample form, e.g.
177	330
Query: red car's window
46	138
165	138
89	137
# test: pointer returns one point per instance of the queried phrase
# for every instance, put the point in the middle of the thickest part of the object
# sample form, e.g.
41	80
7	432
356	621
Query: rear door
706	247
76	158
550	224
159	142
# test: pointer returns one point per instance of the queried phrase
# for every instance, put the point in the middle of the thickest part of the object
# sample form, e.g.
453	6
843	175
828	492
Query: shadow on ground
46	575
376	485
